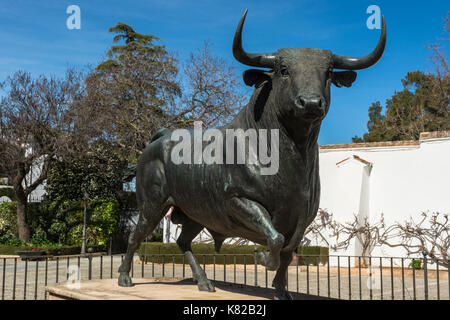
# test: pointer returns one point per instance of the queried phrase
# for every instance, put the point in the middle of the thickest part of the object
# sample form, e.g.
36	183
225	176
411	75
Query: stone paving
29	284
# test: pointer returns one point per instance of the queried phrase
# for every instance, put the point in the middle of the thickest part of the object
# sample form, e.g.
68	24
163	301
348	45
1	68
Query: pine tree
132	91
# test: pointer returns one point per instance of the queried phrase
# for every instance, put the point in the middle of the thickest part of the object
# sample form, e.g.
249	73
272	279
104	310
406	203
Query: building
35	196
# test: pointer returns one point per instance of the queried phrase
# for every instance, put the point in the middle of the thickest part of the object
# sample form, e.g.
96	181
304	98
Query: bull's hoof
206	285
282	295
125	280
268	260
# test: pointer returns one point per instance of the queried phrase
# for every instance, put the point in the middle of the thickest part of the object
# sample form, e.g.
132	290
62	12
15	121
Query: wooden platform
154	289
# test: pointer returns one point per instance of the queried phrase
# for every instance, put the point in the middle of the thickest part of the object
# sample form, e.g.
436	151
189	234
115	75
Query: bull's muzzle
313	107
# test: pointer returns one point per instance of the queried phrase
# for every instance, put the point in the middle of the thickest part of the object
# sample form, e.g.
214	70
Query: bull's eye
284	71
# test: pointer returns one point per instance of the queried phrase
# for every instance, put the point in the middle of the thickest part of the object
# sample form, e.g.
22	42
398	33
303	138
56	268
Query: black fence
336	277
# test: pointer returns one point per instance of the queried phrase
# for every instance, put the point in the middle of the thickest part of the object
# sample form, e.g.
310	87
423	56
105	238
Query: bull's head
301	77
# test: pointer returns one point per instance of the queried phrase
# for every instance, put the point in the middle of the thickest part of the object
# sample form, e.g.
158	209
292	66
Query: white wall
5	199
34	173
403	182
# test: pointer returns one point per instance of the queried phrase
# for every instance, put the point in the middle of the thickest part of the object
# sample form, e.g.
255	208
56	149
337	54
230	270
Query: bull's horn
262	60
351	63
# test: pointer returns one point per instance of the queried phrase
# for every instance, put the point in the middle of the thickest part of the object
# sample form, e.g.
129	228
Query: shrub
310	255
61	222
103	219
417	263
38	219
39	240
68	250
157	237
10	240
8	218
203	252
12	250
52	249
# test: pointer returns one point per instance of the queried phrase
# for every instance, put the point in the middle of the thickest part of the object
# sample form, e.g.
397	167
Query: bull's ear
343	78
254	77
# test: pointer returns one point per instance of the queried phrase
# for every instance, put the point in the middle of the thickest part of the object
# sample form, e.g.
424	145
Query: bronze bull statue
293	97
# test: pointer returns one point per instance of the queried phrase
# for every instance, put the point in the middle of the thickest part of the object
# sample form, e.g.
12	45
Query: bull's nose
312	105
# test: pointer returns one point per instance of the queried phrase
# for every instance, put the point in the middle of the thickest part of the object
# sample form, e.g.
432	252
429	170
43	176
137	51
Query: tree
441	83
129	95
139	90
36	126
98	171
369	235
211	92
423	104
375	125
317	230
429	236
337	236
415	109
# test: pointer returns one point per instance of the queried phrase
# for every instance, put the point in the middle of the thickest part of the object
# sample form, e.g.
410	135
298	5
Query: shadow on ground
236	288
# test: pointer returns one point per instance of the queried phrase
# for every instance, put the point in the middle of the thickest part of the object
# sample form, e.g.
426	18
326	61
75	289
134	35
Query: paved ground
29	284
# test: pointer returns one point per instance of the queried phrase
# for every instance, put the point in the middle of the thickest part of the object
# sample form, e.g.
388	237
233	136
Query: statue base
154	289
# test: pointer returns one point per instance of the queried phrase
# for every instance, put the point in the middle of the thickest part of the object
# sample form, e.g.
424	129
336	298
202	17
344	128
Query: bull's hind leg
255	217
149	218
189	231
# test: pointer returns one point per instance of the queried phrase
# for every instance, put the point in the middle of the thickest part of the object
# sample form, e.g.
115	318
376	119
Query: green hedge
308	255
205	253
50	250
12	249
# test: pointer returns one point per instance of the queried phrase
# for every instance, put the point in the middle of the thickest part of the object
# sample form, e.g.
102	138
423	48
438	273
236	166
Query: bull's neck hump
301	134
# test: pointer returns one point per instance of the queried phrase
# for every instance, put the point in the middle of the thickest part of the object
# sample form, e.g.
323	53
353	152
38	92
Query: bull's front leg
279	282
143	228
148	220
255	217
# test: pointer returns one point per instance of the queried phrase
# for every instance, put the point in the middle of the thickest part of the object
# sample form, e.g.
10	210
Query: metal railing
334	276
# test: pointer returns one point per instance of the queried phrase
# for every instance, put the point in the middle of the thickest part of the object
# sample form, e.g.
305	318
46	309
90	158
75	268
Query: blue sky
34	37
